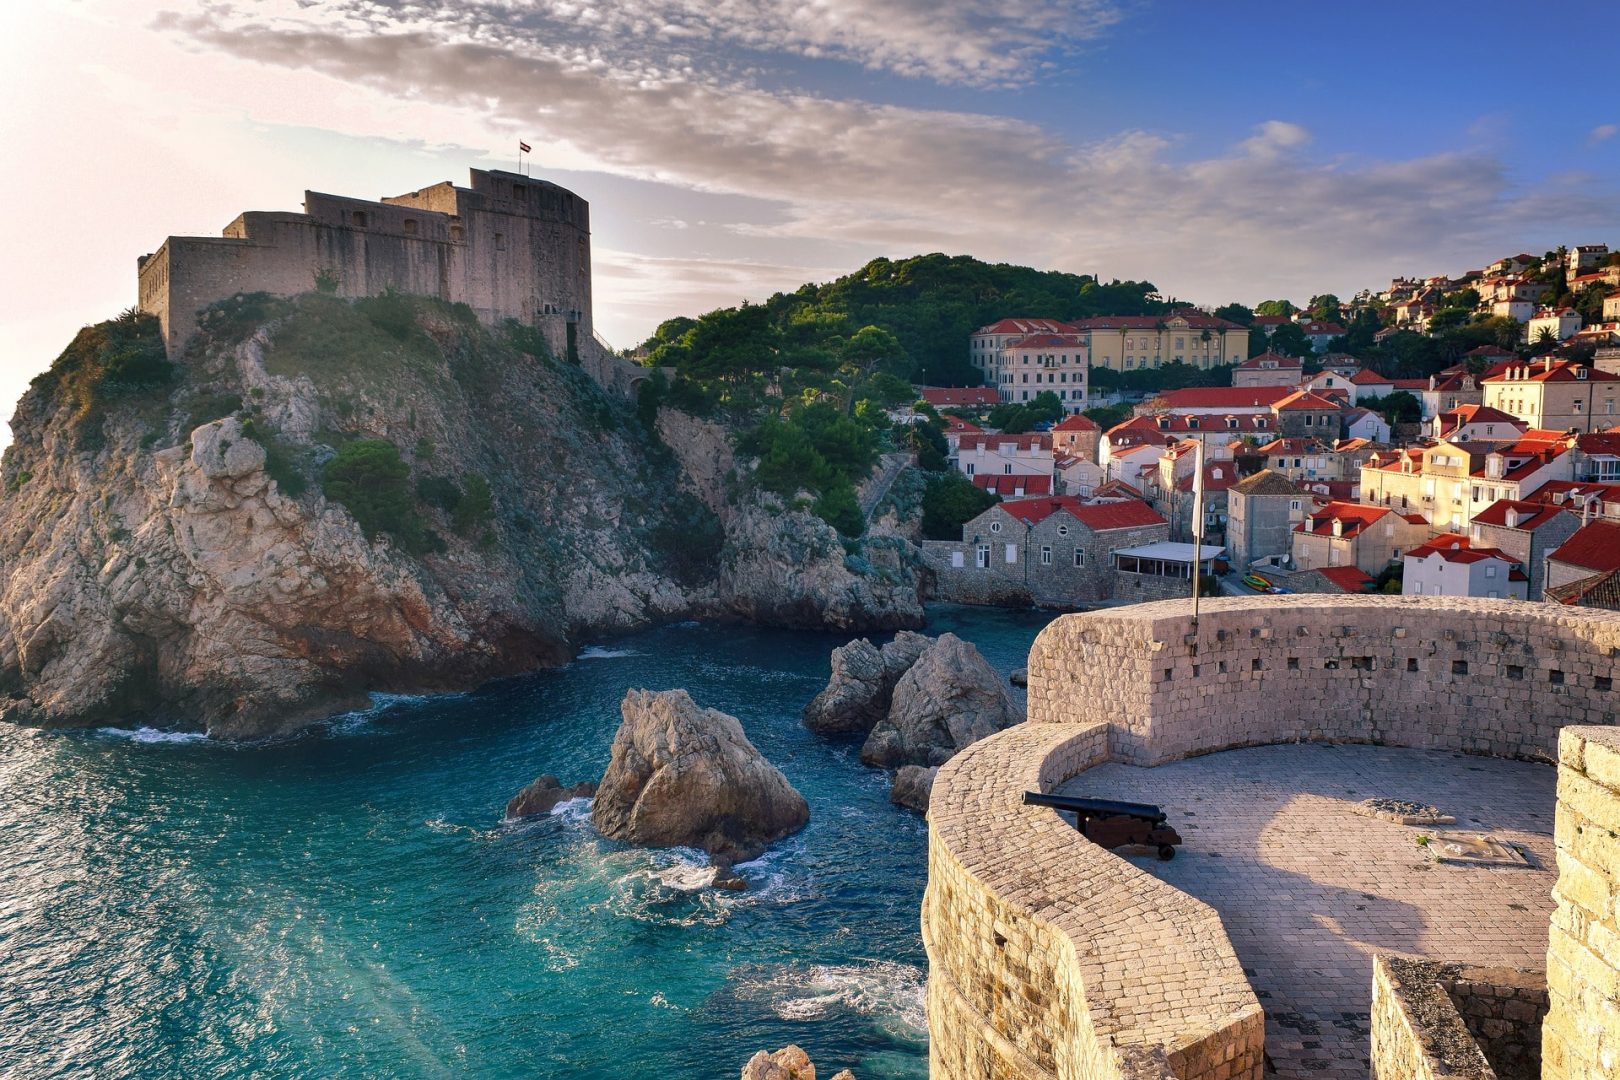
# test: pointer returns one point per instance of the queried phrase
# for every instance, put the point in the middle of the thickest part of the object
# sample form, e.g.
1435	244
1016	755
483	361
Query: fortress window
1411	663
359	219
519	191
500	241
1459	667
1514	671
1293	663
1555	677
1257	664
410	226
455	232
1603	682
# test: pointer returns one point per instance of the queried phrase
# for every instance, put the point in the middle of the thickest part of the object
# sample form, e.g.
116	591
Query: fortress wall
1050	957
1496	677
1581	1037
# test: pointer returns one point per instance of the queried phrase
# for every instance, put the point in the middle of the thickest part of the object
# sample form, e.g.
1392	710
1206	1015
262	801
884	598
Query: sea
351	903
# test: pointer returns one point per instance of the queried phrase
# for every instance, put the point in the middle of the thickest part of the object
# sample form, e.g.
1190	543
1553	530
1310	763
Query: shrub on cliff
113	360
690	539
370	479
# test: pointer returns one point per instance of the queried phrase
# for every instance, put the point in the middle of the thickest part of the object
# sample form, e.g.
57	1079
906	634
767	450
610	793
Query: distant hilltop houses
1496	475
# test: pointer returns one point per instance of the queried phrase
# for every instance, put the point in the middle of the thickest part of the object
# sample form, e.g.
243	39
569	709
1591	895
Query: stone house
1527	532
1261	512
1077	476
1365	424
1078	436
1355	534
1449	389
1306	413
1268	369
1055	550
1453	565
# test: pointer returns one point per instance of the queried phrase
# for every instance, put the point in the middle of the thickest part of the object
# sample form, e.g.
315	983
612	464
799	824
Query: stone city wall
1581	1037
1457	1021
1050	957
1497	677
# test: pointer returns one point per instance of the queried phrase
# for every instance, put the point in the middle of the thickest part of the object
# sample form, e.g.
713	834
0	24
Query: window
1012	553
500	241
995	526
1006	470
410	226
1293	504
359	219
956	560
1046	555
1079	556
1490	571
1063	530
970	468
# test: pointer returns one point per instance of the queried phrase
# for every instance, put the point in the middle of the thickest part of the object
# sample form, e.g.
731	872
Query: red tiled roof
960	395
1355	516
1131	513
1076	422
1409	384
1314	327
1348	578
1595	545
1116	487
1574	493
1364	377
955	425
1218	476
1457	548
1014	485
1032	440
1293	446
1306	399
1531	515
1223	397
1599	442
1271	360
1599	591
1046	341
1025	326
1557	371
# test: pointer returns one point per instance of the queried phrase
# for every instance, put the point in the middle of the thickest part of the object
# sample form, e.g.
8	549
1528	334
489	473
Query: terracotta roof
1599	442
1046	341
1266	482
1595	545
1076	422
1457	548
1223	397
1598	591
1218	476
990	440
1306	400
1529	515
1116	487
1014	485
1330	328
1348	578
1364	377
1556	371
1355	518
961	395
1298	445
1271	360
955	425
1409	384
1575	493
1170	422
1131	513
1025	326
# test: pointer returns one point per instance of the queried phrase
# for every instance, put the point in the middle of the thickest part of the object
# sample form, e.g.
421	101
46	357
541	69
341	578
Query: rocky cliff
324	498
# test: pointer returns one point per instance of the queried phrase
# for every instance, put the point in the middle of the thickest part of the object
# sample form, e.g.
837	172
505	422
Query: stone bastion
1050	957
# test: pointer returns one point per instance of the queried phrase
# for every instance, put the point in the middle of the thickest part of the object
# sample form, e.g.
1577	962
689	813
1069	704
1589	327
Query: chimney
1512	518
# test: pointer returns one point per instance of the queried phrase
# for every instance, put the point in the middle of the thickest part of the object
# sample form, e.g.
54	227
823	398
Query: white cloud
1602	133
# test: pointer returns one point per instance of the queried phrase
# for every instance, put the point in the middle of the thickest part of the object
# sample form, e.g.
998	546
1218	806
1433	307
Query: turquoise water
349	903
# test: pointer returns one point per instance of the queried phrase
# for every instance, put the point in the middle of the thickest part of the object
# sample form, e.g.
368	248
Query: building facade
1134	342
1452	565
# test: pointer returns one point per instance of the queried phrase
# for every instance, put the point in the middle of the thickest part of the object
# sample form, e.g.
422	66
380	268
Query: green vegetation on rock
949	501
371	480
117	360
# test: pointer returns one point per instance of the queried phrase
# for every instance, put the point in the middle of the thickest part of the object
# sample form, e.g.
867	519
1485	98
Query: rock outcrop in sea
324	498
681	775
788	1063
862	684
918	700
949	698
542	796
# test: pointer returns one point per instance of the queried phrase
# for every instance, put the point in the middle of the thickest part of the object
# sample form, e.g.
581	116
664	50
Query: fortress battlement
507	245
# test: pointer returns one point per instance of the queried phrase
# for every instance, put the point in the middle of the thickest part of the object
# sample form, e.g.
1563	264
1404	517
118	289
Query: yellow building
1556	394
1133	342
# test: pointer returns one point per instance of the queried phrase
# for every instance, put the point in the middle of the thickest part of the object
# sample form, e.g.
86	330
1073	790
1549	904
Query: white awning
1167	551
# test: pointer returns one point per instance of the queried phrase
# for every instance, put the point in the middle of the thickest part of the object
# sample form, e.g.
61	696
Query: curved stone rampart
1496	677
1050	957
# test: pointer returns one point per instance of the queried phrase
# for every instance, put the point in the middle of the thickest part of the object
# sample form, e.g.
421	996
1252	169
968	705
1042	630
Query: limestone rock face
684	776
168	554
788	1063
912	785
542	796
948	699
863	679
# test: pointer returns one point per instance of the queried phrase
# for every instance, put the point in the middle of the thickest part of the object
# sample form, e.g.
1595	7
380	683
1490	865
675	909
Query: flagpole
1197	526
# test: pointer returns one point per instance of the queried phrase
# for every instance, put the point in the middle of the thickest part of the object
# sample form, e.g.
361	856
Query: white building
1562	323
1026	366
987	454
1450	565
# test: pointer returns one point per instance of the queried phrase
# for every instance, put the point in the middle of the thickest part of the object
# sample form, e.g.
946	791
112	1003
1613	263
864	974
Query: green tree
949	501
475	506
1323	307
1275	307
839	508
371	480
1289	340
1236	313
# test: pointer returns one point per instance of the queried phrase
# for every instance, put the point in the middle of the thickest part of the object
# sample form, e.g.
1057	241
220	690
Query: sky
734	148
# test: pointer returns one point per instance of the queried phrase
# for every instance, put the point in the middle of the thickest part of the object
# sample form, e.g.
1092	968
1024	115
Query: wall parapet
1434	1020
1050	957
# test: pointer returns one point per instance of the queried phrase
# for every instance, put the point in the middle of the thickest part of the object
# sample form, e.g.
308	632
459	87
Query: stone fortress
1051	958
509	246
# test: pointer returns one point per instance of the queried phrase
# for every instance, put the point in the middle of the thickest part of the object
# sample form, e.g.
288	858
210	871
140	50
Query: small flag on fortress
524	147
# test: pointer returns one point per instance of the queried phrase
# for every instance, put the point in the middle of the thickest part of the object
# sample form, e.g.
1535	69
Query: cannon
1112	824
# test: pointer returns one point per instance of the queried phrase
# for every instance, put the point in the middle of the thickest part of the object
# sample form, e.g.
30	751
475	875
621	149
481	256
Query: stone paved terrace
1308	890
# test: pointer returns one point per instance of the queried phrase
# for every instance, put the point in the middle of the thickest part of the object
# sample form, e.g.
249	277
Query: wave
153	735
599	652
891	994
